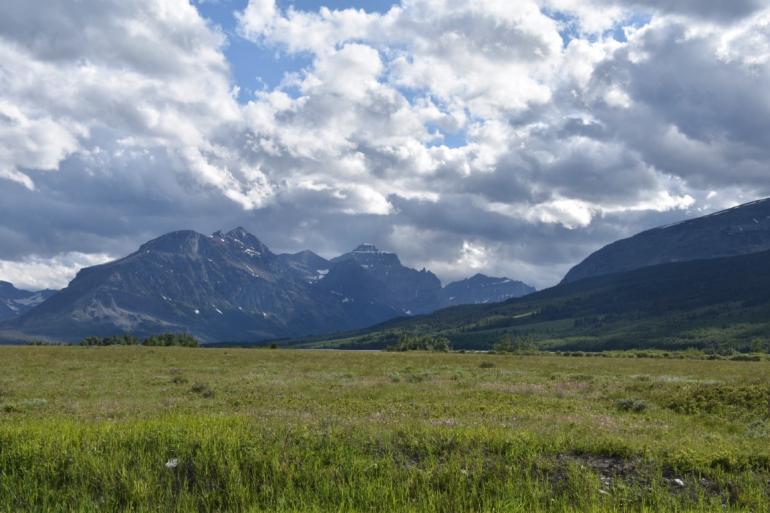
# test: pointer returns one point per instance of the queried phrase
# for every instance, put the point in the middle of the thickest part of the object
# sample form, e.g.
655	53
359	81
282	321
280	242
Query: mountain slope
362	296
15	302
685	304
310	266
737	231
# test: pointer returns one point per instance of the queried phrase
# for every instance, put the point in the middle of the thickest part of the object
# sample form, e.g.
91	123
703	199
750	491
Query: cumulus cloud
709	9
37	273
505	137
116	75
596	16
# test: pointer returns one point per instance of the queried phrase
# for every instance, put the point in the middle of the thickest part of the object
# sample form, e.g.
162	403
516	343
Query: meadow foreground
174	429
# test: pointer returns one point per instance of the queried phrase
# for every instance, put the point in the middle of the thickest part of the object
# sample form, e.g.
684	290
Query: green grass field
173	429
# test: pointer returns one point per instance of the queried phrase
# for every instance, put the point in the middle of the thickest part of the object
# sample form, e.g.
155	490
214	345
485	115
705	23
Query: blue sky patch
569	26
256	67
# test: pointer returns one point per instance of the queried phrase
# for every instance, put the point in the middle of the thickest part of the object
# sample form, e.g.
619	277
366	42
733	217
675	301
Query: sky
508	138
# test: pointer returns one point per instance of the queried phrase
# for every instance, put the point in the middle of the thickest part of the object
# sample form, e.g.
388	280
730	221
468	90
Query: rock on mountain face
737	231
15	302
306	263
480	289
409	290
361	295
230	287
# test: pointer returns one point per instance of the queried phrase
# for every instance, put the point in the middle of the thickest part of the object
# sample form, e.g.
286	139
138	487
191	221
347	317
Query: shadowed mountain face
480	289
410	291
230	287
741	230
15	302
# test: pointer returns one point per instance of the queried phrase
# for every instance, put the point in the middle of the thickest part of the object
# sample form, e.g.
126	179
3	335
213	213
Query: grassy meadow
220	430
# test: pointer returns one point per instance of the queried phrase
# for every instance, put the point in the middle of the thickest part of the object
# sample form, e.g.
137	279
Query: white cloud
38	143
747	42
142	74
473	256
37	273
258	16
464	122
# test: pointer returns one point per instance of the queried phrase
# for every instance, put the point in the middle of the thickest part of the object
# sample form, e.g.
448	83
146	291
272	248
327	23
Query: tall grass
317	432
227	464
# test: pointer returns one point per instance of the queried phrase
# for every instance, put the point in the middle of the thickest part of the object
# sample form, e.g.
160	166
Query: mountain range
232	287
701	283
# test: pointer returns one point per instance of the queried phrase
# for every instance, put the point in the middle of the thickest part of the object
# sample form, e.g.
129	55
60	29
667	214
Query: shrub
632	405
420	343
746	358
163	339
172	339
112	340
486	365
515	344
203	390
722	399
45	343
415	378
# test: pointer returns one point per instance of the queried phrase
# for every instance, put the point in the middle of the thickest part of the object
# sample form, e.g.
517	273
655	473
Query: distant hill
15	302
737	231
232	287
722	301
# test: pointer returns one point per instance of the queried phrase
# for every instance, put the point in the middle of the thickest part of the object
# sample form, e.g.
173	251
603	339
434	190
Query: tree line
163	339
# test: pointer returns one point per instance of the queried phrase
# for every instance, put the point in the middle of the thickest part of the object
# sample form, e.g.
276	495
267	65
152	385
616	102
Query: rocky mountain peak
181	241
243	239
240	233
366	248
371	257
481	288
